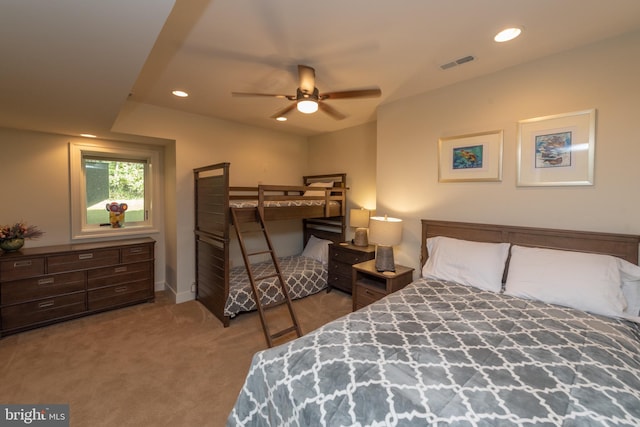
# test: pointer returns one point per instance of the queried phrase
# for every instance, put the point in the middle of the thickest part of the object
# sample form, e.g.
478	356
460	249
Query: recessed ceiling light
281	119
507	34
180	93
88	135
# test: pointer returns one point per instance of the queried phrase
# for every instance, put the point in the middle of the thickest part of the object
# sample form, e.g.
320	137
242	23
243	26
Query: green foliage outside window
114	181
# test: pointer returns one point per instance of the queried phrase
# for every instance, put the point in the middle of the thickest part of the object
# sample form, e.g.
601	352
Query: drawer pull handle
120	269
47	281
85	256
45	304
121	289
22	263
136	250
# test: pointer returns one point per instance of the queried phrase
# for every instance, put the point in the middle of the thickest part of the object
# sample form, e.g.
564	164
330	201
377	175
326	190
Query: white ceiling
68	66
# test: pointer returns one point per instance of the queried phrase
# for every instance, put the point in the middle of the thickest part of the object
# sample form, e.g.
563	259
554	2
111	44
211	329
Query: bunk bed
450	350
320	202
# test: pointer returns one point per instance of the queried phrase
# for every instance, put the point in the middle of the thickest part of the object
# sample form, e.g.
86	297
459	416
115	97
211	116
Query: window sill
116	232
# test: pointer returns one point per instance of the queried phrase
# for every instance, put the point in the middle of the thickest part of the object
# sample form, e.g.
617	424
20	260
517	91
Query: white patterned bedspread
280	203
304	276
443	354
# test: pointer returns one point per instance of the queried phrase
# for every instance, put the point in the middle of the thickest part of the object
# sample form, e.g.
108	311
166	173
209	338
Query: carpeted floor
156	364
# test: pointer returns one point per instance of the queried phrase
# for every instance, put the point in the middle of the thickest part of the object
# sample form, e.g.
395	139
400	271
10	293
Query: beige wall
602	76
391	164
256	156
35	188
352	151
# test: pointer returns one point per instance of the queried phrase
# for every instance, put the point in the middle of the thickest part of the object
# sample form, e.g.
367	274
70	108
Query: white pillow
631	292
630	274
328	184
478	264
589	282
317	249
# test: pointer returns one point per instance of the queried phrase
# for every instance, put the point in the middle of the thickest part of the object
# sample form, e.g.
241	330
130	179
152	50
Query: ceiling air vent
458	61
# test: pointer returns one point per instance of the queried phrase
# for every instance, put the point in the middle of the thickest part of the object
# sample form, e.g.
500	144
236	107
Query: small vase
10	245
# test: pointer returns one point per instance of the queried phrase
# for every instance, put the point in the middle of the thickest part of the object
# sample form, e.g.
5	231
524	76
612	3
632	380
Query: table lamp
359	218
385	232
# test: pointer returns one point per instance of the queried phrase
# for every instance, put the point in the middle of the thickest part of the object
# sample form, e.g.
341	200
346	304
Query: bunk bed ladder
262	309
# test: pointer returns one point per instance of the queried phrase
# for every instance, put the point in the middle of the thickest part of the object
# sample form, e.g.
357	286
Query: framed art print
473	157
557	150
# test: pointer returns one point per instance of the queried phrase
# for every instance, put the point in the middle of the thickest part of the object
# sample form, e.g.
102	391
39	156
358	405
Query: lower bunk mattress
439	353
304	276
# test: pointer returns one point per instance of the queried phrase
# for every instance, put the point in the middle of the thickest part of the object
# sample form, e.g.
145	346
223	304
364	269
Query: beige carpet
157	364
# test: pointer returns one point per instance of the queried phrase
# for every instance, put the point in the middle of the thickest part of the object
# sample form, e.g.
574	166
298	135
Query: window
112	189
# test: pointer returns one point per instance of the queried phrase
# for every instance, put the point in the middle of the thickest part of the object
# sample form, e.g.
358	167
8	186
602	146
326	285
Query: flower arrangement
19	230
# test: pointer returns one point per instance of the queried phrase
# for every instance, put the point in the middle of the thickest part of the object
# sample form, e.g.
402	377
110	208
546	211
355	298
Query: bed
305	274
319	202
443	352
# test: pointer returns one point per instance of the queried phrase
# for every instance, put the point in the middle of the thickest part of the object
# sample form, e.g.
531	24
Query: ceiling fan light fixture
307	106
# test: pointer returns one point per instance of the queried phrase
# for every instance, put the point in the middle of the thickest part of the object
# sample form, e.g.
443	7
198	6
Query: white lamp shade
359	218
385	231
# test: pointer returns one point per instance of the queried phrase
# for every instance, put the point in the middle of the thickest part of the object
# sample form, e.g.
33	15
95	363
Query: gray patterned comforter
443	354
304	276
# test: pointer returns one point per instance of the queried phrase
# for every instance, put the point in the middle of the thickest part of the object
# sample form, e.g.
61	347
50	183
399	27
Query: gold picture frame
471	157
557	150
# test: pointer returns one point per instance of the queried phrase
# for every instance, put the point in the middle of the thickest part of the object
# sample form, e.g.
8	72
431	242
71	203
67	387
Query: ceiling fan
308	99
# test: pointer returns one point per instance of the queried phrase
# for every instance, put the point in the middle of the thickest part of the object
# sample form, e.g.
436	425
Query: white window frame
111	150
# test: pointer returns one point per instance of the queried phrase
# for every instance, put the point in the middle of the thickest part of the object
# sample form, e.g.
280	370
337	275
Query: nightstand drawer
350	257
368	294
341	257
340	269
371	285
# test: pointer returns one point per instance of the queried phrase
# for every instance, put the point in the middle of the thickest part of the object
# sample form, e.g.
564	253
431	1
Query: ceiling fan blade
284	111
362	93
306	78
331	111
269	95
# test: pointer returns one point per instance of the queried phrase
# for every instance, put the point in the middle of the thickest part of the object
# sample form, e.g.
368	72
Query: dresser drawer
120	294
110	276
21	268
348	257
31	313
137	253
35	288
82	260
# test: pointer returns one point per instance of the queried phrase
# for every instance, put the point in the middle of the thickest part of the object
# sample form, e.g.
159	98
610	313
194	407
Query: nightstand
370	285
341	257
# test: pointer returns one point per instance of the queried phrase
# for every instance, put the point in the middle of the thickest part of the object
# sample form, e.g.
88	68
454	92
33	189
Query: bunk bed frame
213	200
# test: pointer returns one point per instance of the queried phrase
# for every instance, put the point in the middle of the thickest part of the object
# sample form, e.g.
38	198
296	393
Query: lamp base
360	238
384	259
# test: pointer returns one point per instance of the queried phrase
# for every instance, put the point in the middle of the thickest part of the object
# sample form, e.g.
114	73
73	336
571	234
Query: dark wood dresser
341	258
40	286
